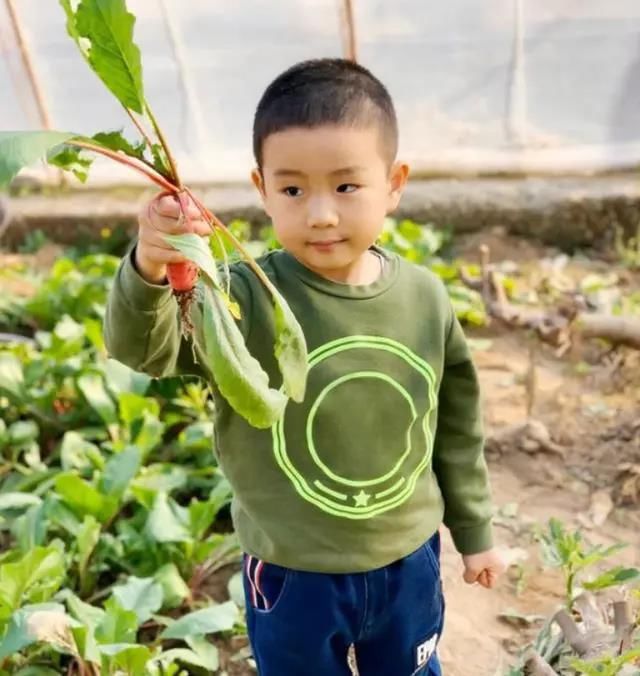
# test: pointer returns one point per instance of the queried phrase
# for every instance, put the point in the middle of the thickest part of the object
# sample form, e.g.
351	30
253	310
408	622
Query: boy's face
328	191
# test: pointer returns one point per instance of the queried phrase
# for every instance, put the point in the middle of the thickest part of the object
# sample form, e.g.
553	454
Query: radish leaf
112	54
114	140
160	160
72	29
290	348
20	149
70	159
238	375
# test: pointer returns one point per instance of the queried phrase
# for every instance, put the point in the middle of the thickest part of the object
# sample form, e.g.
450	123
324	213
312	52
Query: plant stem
139	127
569	592
129	162
165	146
213	220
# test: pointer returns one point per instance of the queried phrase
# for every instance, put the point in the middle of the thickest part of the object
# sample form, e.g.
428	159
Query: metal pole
25	53
348	24
517	93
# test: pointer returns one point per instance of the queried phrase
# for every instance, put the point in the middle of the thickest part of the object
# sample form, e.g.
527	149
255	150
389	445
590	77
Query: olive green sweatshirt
388	441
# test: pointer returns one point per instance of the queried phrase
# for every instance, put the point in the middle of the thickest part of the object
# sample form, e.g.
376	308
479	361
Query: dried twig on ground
536	666
594	638
554	326
531	436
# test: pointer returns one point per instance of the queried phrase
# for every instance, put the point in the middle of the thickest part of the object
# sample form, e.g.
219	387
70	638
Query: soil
589	401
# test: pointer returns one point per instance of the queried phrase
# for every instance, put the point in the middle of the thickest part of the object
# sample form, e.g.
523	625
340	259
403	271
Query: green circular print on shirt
363	434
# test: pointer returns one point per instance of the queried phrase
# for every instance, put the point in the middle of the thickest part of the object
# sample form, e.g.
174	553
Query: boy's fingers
487	578
162	216
201	227
470	576
165	205
177	225
168	206
162	255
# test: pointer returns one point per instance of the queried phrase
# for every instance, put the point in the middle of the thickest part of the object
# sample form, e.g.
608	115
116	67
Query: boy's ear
258	180
398	176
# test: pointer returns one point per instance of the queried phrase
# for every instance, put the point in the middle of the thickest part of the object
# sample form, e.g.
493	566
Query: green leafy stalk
131	162
103	32
165	146
195	249
238	375
23	148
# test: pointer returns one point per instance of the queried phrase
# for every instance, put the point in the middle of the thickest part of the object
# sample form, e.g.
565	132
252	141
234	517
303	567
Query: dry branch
594	638
536	666
617	330
554	326
531	436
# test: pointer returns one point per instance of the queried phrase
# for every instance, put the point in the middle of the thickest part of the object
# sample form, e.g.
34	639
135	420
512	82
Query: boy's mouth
326	245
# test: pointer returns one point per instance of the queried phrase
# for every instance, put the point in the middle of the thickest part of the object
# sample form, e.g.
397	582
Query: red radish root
183	276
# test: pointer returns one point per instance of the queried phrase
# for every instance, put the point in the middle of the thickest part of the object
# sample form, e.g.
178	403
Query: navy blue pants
302	624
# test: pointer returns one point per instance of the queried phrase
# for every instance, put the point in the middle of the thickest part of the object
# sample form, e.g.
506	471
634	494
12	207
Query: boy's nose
321	214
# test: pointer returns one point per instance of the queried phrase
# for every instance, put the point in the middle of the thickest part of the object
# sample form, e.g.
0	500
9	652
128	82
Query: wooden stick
27	60
623	624
618	330
570	630
349	31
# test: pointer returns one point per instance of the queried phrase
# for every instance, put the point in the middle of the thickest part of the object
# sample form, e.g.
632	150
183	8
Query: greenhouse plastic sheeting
497	85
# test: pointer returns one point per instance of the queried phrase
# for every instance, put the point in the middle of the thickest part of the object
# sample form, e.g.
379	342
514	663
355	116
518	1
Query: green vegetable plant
568	551
628	251
103	33
590	647
109	498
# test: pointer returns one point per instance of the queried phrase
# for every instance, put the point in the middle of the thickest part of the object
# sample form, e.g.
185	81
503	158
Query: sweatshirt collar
386	279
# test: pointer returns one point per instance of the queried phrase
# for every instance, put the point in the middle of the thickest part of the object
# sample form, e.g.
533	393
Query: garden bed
587	474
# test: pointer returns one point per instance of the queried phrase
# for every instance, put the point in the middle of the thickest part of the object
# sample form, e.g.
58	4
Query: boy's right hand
162	216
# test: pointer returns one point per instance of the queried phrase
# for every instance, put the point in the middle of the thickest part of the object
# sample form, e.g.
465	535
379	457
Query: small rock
601	507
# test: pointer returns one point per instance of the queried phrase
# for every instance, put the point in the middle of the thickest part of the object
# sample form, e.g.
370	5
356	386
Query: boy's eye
292	191
348	187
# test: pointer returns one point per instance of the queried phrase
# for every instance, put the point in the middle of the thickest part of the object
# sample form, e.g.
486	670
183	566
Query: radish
183	276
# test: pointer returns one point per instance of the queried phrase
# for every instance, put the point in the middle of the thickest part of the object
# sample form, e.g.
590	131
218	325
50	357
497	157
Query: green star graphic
362	499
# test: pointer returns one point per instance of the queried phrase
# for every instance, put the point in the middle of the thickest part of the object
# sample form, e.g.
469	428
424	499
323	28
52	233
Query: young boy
338	506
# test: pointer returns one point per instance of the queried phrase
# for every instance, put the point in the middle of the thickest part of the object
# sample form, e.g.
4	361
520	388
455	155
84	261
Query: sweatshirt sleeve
458	457
142	329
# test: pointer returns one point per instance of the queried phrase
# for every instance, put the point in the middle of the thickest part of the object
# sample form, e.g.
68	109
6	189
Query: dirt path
589	415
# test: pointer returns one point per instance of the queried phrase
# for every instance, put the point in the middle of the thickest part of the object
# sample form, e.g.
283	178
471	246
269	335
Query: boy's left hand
484	568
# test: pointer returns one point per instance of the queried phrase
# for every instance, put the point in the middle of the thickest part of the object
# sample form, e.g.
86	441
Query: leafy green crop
109	495
567	550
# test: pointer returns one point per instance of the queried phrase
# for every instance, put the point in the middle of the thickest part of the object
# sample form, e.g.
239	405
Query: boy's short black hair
323	92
